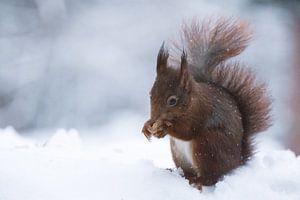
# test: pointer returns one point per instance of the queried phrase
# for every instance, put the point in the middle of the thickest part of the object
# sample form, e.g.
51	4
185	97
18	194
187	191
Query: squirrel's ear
184	71
162	59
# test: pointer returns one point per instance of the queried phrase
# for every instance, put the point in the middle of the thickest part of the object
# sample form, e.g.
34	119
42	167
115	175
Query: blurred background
82	64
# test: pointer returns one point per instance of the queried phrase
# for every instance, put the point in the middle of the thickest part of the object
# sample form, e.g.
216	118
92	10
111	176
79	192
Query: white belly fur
184	150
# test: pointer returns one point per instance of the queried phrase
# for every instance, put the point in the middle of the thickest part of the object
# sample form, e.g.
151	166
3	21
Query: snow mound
10	139
65	139
68	167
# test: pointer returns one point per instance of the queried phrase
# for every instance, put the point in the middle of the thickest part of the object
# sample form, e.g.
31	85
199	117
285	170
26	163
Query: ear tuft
162	58
183	60
184	73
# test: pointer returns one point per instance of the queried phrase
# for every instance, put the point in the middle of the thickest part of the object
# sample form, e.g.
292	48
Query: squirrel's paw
196	184
146	131
160	133
158	129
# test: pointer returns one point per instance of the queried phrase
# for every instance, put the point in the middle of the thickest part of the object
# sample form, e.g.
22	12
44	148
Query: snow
116	162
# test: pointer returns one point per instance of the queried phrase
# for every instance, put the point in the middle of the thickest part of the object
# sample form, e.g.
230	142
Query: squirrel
210	107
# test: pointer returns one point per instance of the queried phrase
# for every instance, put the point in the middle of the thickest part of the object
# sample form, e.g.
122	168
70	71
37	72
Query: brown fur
219	105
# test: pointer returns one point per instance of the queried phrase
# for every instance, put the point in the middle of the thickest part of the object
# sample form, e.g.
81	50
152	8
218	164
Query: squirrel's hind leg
216	155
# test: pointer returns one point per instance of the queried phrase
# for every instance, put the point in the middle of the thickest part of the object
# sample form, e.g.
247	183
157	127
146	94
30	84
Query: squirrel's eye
172	101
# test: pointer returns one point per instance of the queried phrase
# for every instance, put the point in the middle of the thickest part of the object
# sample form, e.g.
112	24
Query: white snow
123	165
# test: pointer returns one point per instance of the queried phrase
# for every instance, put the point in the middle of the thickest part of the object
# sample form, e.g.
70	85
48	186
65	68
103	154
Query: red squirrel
211	108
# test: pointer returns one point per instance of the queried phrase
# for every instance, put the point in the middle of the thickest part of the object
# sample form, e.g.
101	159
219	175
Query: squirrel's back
209	45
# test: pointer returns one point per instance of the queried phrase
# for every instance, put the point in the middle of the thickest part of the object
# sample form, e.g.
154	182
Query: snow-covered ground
118	163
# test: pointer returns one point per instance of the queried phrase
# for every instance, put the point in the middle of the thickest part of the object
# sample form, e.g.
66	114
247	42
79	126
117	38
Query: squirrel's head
171	92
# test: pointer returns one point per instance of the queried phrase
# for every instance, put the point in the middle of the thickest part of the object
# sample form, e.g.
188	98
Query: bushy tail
209	45
251	97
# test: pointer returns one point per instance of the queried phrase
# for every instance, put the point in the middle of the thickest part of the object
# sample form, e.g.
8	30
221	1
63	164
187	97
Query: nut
154	128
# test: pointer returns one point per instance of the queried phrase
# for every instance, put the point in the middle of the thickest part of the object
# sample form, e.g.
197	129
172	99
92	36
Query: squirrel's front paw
160	133
160	128
146	131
